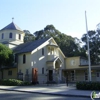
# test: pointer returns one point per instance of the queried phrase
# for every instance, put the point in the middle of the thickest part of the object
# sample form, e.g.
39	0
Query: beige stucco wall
55	52
13	76
35	59
79	75
15	34
62	59
75	60
11	46
25	66
74	63
39	61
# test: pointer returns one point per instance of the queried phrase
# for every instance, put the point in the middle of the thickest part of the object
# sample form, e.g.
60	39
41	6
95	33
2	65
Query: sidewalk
60	89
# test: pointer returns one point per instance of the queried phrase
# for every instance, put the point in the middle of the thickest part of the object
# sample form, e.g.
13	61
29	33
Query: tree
28	36
67	43
48	31
94	45
6	57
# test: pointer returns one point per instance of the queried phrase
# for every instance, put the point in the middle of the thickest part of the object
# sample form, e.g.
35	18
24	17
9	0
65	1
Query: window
16	58
10	35
2	35
42	51
72	75
9	72
24	59
19	36
52	50
72	62
26	71
42	70
86	76
20	75
97	74
19	70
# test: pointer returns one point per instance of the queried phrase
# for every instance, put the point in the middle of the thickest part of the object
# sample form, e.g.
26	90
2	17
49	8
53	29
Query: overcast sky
68	16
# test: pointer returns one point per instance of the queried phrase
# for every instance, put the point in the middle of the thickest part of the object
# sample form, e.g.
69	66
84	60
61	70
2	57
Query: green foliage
14	82
6	56
94	45
28	36
88	85
48	31
51	82
67	44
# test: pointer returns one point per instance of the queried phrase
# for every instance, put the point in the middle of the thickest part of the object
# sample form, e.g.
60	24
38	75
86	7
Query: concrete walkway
60	89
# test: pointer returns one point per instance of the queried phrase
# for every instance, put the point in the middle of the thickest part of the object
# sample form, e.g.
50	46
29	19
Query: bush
88	85
14	82
26	83
51	82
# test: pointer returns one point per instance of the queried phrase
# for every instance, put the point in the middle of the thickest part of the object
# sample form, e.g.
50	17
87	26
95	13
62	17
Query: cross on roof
12	19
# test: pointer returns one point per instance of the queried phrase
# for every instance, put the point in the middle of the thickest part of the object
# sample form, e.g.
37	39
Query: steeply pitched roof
29	46
11	26
57	58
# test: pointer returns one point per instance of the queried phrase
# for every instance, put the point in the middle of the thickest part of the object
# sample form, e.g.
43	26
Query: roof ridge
30	46
12	26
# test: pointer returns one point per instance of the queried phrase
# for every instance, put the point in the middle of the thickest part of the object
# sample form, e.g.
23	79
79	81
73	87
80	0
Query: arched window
42	51
10	35
24	59
19	36
2	36
42	70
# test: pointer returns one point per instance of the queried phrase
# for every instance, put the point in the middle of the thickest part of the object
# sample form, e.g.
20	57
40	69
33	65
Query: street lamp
88	48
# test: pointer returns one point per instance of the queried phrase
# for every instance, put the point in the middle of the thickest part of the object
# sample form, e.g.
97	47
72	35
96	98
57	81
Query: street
13	95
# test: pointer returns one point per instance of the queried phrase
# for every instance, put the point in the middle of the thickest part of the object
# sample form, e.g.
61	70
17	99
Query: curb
57	94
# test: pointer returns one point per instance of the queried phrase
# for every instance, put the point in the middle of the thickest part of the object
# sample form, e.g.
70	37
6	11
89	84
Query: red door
34	75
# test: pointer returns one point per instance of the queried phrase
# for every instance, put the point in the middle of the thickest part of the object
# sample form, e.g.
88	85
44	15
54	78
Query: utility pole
88	48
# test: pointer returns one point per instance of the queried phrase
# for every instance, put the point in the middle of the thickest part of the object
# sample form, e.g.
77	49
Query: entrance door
72	75
98	76
34	75
50	75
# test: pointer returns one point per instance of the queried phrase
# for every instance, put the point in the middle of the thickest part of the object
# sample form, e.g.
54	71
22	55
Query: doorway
34	75
50	75
98	76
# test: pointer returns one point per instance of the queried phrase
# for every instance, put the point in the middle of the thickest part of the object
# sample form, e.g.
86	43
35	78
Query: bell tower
11	35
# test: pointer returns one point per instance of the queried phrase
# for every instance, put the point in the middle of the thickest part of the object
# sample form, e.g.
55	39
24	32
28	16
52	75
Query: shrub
26	83
88	85
51	82
14	82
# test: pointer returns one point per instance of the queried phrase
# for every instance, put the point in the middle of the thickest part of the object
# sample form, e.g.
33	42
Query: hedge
14	82
88	85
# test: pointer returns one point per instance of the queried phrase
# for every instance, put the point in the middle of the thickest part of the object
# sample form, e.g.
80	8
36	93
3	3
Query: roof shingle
29	46
11	26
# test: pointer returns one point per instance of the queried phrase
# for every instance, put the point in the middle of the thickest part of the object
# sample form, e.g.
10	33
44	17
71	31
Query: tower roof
12	26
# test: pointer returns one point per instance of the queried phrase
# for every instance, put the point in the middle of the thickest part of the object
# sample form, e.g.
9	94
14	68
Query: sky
68	16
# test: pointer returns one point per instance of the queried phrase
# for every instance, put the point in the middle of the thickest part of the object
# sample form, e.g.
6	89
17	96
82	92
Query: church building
42	60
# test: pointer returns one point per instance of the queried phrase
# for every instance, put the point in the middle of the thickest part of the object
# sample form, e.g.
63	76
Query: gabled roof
11	26
55	59
29	46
